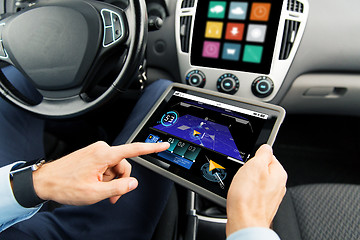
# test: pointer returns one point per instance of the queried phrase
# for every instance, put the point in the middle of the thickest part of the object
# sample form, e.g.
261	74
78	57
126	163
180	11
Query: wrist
236	224
23	185
41	187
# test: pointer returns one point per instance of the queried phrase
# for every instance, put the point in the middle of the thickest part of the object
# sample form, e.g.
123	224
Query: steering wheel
77	53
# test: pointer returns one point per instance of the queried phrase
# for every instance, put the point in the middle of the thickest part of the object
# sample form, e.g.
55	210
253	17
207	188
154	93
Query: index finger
136	149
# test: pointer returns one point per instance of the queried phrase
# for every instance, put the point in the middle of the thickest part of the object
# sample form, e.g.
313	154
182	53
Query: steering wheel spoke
4	56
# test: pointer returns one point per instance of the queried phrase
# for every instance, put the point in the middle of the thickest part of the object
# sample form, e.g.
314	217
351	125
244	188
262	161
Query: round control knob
228	83
262	87
196	78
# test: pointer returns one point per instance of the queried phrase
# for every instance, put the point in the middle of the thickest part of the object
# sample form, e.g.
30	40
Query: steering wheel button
115	18
108	37
117	27
113	27
106	18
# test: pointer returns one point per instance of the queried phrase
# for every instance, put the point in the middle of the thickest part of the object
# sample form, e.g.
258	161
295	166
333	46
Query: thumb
264	149
264	153
118	187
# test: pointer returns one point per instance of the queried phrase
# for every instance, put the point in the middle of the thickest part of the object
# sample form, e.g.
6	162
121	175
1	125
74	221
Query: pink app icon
211	49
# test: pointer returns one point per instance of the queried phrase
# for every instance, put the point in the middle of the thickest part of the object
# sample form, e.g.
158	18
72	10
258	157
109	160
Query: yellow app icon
213	29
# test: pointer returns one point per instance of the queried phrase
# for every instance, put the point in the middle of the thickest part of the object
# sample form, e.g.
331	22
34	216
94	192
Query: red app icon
234	31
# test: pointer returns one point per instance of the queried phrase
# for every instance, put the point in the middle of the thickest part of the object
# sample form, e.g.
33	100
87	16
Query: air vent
185	27
290	30
295	6
187	3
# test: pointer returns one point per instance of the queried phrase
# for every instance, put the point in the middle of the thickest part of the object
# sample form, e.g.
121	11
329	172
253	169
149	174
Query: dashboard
300	55
240	48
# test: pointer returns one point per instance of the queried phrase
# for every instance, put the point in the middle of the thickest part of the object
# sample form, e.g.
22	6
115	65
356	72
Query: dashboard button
228	83
196	78
262	87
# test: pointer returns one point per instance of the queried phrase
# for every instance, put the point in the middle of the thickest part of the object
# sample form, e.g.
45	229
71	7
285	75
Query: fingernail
133	184
165	144
268	147
264	148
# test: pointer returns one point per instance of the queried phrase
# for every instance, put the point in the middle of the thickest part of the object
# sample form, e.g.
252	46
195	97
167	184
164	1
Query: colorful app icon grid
238	31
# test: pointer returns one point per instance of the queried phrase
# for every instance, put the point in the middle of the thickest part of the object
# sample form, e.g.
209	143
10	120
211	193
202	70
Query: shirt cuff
11	211
254	233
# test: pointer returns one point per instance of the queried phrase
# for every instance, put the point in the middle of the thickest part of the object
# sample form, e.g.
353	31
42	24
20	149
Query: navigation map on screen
204	133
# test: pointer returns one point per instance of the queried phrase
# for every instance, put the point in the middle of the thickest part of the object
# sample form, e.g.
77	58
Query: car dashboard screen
209	140
235	35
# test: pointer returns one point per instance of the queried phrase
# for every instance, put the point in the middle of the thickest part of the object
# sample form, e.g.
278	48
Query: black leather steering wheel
77	53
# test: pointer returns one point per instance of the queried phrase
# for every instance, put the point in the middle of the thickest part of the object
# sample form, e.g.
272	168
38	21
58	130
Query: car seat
319	211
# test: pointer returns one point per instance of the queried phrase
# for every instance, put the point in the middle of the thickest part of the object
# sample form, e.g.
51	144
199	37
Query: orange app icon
260	11
213	29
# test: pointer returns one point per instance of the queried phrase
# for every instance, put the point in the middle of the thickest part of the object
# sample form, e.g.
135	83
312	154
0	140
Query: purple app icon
211	49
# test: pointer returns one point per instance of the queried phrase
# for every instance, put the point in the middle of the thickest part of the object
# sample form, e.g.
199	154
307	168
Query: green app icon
217	9
252	54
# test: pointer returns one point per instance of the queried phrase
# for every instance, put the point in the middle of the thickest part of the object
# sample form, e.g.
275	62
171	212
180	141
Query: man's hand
256	192
91	174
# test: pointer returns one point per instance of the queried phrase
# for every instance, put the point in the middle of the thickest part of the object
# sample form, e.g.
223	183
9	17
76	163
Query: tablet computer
211	136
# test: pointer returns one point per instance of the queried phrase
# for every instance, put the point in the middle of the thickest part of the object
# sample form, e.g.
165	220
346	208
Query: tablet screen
210	137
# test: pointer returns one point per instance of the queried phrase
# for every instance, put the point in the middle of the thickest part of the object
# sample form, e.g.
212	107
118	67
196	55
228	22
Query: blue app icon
238	10
231	51
152	139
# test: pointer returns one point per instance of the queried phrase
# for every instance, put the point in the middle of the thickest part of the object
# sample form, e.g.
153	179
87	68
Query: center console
244	48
